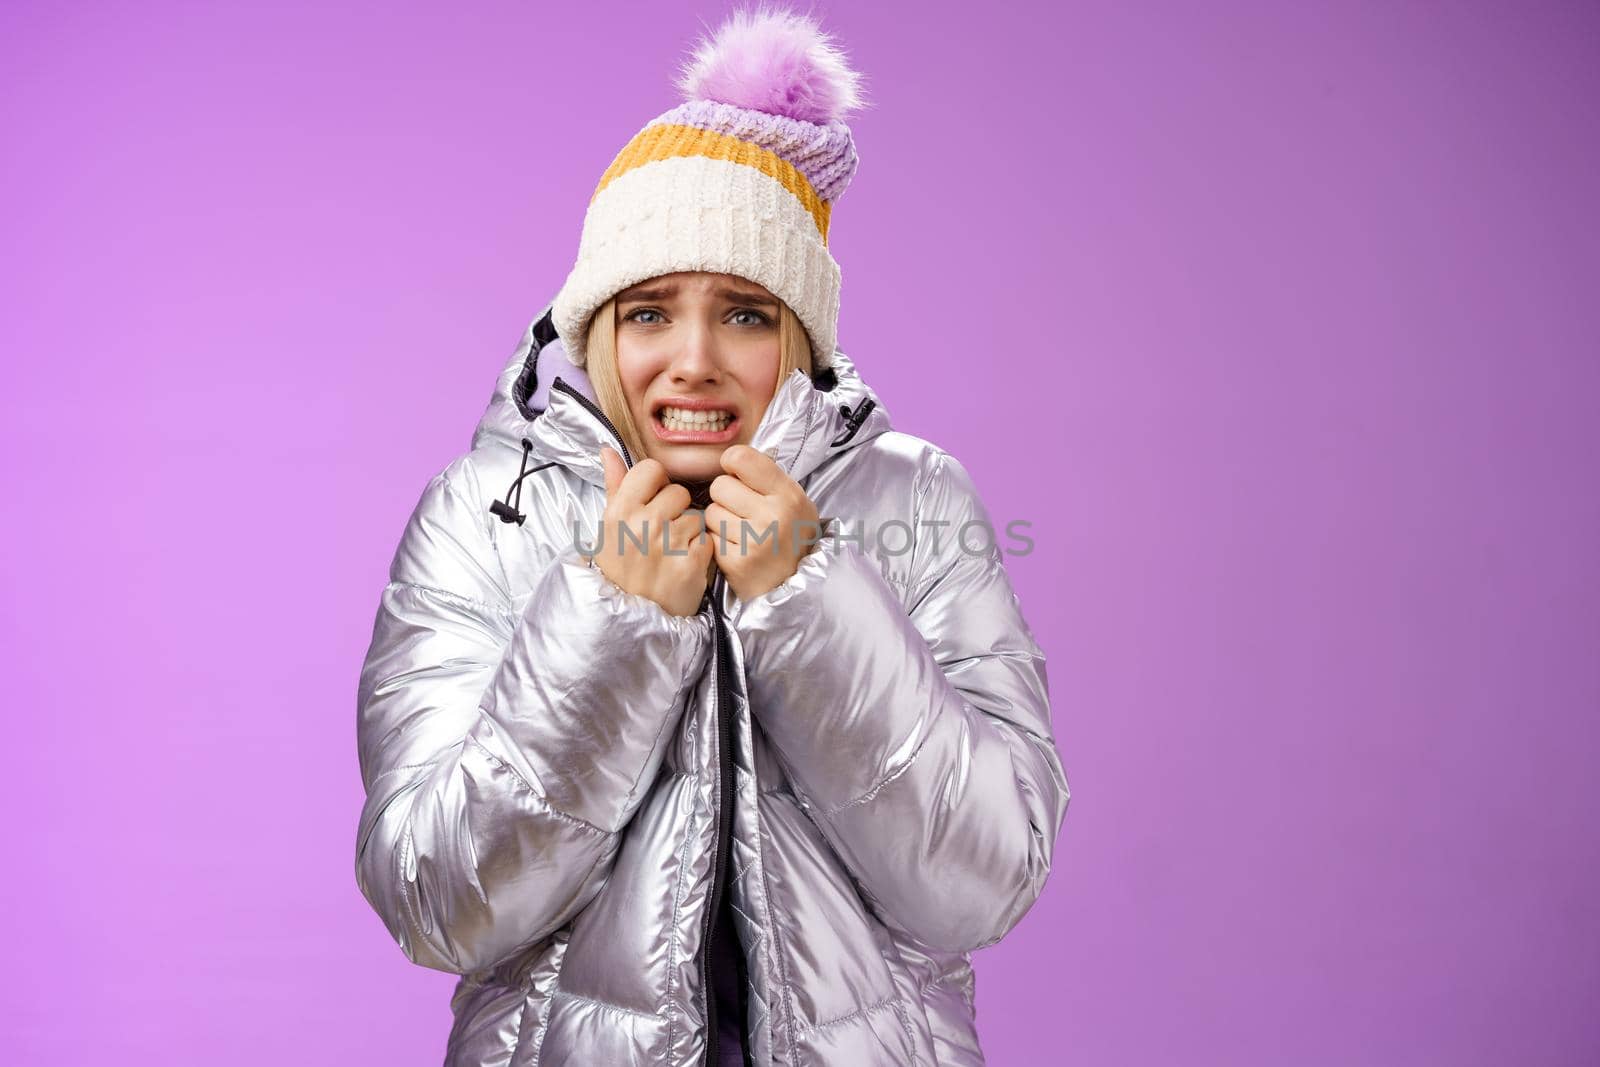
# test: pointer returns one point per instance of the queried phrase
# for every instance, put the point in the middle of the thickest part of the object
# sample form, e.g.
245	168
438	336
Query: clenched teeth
685	419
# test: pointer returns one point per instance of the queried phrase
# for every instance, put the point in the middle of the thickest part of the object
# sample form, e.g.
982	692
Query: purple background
1279	325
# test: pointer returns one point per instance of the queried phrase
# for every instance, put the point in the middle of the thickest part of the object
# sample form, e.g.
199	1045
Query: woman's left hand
783	523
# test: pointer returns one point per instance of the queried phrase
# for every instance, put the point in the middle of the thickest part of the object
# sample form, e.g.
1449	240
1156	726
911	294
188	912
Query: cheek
636	368
758	373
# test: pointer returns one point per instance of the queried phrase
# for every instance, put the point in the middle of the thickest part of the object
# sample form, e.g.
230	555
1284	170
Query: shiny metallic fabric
540	752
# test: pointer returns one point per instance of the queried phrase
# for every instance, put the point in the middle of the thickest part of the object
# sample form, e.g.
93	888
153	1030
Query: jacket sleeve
918	739
503	752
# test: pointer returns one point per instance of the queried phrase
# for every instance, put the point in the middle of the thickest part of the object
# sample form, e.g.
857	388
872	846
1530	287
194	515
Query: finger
704	554
614	469
737	497
670	502
643	481
754	468
687	528
722	526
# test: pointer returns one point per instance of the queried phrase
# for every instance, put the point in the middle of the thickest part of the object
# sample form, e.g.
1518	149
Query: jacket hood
543	399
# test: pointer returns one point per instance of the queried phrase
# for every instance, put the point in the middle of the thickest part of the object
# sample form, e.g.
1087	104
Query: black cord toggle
509	512
853	420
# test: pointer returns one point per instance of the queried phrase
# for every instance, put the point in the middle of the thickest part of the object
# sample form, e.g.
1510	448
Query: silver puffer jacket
562	778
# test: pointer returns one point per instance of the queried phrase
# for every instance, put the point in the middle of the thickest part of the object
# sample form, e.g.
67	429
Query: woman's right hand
644	500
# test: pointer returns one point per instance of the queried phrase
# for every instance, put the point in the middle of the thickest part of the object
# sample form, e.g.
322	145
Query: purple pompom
777	62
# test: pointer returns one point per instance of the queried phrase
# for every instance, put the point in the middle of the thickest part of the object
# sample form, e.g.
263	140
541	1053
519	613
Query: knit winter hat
740	179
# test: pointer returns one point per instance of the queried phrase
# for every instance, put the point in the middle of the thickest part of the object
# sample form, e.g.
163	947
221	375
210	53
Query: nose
697	359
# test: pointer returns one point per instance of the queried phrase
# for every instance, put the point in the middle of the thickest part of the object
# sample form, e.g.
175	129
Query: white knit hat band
695	213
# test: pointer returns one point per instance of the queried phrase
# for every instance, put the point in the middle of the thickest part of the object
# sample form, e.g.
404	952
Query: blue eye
761	319
630	316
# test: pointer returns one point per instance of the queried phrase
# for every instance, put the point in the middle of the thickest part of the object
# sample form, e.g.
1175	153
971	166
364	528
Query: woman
691	730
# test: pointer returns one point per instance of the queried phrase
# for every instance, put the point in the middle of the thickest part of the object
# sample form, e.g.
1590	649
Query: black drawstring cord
508	511
853	420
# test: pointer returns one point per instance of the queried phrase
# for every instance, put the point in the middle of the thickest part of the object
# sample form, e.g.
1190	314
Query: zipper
724	765
594	410
724	816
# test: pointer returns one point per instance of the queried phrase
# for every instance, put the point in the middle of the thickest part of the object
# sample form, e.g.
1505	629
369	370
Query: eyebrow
663	292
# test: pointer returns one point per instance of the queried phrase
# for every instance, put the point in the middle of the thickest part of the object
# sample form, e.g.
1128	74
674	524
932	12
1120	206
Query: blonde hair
794	353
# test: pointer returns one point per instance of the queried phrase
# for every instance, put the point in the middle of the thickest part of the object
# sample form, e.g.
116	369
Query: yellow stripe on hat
669	141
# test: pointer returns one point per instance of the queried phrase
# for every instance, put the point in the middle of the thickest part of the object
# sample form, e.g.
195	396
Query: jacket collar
541	397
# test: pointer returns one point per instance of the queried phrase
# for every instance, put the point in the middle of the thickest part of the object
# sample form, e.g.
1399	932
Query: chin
693	468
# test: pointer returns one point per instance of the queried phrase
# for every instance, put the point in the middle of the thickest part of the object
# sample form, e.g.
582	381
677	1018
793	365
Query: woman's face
697	356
